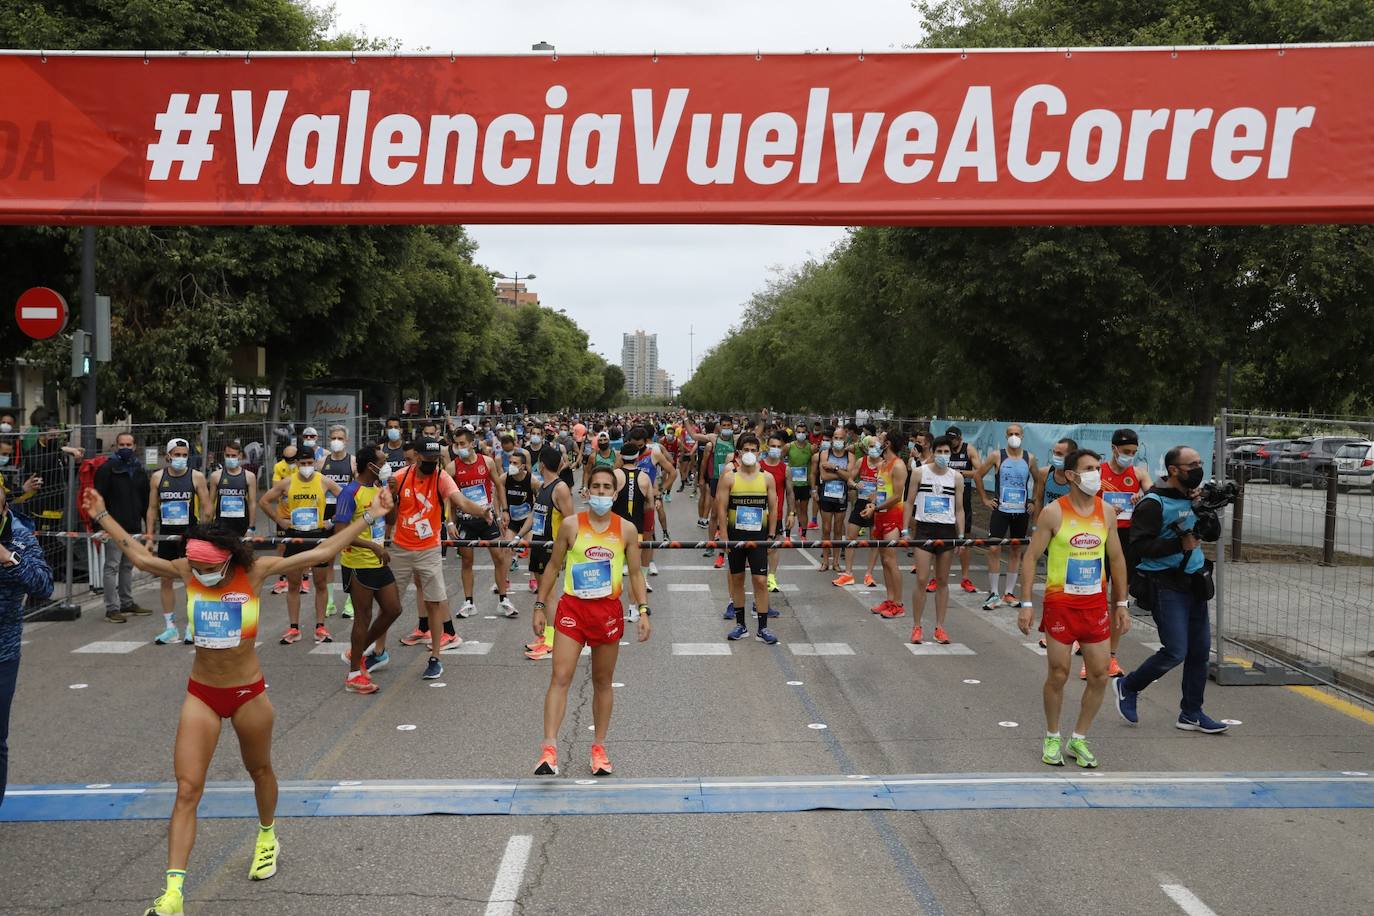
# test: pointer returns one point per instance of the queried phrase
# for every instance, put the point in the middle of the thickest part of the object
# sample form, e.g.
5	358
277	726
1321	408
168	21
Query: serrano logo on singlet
235	598
600	553
1085	540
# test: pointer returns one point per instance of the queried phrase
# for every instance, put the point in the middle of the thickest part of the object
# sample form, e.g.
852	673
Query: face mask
801	435
306	471
231	463
774	453
178	464
536	441
394	435
517	469
427	467
1013	441
309	443
1192	479
601	504
384	473
5	428
911	447
1057	462
749	459
209	579
124	454
336	445
875	451
1124	461
837	445
4	460
1090	482
727	434
941	460
465	453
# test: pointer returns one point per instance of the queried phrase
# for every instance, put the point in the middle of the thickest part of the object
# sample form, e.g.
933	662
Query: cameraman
1174	583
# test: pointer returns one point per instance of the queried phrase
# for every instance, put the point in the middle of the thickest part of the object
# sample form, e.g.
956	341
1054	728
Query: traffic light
81	354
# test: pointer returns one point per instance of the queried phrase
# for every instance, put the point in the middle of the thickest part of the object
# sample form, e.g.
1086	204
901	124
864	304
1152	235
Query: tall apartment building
639	361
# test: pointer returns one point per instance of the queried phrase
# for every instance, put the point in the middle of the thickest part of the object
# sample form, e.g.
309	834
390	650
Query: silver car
1355	465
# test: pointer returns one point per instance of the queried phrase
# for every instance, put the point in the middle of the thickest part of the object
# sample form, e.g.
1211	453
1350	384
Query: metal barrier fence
1295	594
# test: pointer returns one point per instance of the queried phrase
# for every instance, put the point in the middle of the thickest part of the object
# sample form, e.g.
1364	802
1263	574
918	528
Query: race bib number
938	505
231	507
379	530
331	499
541	522
305	518
217	624
477	493
748	518
799	475
867	488
175	511
592	579
423	529
833	489
1121	502
519	512
1013	499
1083	577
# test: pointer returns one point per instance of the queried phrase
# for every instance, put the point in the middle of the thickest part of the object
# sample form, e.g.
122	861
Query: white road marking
1187	901
327	648
112	647
935	648
469	647
820	648
689	587
700	648
511	872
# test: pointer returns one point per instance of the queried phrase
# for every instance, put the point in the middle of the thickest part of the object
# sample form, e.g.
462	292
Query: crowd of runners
584	492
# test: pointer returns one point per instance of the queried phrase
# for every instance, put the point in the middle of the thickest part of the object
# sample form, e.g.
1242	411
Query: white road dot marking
818	726
1354	773
77	686
972	680
794	683
488	616
405	728
350	782
585	782
1009	724
624	643
857	776
591	728
439	684
1231	722
617	684
98	785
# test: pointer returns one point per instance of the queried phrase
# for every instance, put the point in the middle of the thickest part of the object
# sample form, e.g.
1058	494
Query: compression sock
448	628
1011	583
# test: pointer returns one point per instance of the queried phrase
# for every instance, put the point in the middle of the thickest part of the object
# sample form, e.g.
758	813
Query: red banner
1236	135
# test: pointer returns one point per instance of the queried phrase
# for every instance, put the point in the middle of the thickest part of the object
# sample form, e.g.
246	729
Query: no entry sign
40	312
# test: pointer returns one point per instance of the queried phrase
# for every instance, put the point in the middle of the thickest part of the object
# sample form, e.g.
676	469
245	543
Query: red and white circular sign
41	312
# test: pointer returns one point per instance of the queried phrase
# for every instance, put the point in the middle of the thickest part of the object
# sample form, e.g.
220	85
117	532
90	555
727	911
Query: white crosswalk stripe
935	648
112	647
821	648
701	648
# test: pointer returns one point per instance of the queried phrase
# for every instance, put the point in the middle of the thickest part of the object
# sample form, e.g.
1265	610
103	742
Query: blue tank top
1054	489
1013	479
646	464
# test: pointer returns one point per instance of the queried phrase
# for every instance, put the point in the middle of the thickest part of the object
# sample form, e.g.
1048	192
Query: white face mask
5	428
306	472
209	579
1090	482
1013	441
749	459
837	445
336	445
875	451
801	435
309	442
774	453
384	473
1125	461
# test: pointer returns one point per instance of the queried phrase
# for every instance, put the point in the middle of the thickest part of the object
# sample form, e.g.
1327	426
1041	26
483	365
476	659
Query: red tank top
779	472
471	476
1126	482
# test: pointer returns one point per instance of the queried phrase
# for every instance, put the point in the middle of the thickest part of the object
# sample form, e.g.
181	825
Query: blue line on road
709	795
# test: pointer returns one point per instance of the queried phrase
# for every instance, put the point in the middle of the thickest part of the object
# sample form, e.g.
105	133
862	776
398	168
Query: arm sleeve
1146	524
32	574
346	504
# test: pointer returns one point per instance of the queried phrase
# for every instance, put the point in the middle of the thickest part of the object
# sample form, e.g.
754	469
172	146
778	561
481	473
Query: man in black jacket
123	483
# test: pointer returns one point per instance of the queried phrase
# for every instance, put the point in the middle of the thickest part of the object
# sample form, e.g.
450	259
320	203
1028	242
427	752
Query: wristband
98	518
1123	604
644	610
1026	604
540	606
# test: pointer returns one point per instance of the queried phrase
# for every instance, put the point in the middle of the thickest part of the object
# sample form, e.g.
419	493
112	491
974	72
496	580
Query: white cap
310	431
177	443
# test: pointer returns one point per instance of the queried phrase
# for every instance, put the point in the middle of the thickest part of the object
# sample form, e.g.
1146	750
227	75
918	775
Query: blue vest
1175	511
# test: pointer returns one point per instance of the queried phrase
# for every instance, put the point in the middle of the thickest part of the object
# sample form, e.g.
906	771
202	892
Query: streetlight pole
515	290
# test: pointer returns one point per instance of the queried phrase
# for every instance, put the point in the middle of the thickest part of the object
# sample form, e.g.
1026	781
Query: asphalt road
731	719
1279	514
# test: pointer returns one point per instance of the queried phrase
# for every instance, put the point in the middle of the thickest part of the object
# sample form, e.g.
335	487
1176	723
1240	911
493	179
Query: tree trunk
1204	407
274	402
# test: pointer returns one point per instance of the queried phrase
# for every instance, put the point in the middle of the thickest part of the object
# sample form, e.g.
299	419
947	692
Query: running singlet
474	480
231	496
868	484
779	472
1074	574
645	462
747	517
339	470
1013	484
629	502
547	518
1054	489
722	453
223	615
177	500
603	461
958	459
396	457
935	496
595	560
799	464
1117	490
519	499
835	488
305	503
356	498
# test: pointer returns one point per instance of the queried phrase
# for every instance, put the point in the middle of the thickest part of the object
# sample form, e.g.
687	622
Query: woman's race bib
217	624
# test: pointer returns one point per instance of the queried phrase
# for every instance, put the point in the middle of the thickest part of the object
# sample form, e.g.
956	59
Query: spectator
23	573
13	479
123	483
49	459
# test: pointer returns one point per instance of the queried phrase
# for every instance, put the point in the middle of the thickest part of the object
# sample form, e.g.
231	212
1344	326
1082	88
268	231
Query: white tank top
935	496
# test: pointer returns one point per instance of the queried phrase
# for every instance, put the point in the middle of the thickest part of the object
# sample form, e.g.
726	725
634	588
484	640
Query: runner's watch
1024	604
644	610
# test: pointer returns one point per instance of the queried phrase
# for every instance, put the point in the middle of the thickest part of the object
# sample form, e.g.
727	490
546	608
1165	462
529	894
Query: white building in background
639	362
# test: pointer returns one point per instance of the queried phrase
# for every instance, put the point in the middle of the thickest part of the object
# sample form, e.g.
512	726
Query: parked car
1257	459
1306	460
1355	465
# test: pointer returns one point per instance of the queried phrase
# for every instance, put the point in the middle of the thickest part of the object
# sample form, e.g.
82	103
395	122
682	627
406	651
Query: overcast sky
664	279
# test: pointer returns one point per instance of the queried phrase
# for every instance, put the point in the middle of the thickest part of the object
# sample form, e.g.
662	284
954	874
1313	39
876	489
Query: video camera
1211	499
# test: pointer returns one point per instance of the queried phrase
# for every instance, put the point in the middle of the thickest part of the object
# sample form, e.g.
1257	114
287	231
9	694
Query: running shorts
590	621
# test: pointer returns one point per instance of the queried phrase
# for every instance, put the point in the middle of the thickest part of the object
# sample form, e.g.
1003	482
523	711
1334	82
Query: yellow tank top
748	506
362	557
280	470
595	559
305	503
1075	571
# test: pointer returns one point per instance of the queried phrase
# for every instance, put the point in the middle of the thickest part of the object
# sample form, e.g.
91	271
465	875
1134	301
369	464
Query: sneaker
930	586
539	650
292	634
1043	644
869	581
813	526
1125	702
842	580
720	561
773	583
415	637
167	637
916	635
701	523
115	617
648	588
169	904
1010	600
941	636
1077	748
548	761
894	610
1083	673
1053	752
729	612
265	853
968	586
601	764
329	609
187	639
135	610
881	606
653	568
376	662
467	610
360	683
739	632
434	670
305	586
668	497
449	641
774	612
280	587
765	635
1198	723
347	609
534	585
507	610
1077	649
322	635
1114	668
992	603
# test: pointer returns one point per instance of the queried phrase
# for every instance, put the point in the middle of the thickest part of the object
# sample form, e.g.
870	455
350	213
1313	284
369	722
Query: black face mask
1192	479
427	467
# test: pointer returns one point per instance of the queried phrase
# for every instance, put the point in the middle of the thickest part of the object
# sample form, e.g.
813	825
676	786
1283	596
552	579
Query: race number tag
217	624
379	530
519	512
1121	502
592	579
867	488
231	507
175	511
423	529
1013	499
541	522
305	518
938	505
748	518
331	499
833	489
1083	577
477	493
799	475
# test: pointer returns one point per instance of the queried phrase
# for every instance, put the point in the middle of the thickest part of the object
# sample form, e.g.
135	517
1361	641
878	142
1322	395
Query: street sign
40	312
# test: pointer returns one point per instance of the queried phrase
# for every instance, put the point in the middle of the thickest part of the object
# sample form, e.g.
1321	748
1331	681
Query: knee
189	791
561	680
1172	656
1057	677
262	772
602	681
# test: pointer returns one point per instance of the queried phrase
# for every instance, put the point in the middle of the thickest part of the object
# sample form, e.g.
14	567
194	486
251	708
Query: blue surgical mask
231	463
465	453
774	453
4	460
601	504
179	464
393	434
941	460
875	451
1057	462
